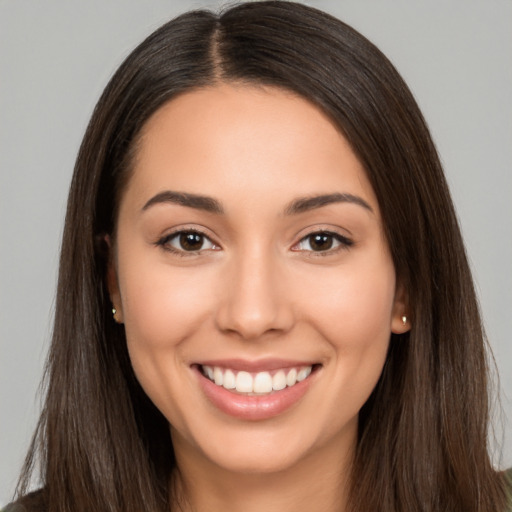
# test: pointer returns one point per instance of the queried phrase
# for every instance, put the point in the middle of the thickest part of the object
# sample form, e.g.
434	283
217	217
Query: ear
113	283
400	319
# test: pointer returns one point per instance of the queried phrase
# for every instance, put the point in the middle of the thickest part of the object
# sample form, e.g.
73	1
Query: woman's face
253	278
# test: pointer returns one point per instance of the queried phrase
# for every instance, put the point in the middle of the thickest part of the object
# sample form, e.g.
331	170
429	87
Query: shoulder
14	507
508	480
33	502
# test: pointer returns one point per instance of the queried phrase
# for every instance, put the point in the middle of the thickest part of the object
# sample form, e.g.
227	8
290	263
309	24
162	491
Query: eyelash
344	243
164	242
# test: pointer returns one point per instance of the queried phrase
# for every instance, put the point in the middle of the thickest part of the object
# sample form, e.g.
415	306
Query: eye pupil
321	242
191	241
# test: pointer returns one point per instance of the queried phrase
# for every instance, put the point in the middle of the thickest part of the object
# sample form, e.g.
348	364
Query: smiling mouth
257	383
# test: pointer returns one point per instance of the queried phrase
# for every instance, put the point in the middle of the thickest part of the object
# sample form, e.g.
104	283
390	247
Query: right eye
323	243
190	241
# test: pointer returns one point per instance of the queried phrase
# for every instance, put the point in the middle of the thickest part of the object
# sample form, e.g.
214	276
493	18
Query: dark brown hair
422	446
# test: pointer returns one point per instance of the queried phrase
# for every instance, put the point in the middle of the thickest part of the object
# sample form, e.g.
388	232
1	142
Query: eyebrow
198	202
305	204
211	205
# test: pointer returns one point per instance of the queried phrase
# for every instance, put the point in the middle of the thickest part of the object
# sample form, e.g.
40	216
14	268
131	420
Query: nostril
253	323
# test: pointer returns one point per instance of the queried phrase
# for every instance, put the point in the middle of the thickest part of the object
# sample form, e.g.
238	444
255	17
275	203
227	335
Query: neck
317	482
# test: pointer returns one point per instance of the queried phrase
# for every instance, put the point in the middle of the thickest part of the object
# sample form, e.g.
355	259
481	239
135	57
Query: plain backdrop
57	55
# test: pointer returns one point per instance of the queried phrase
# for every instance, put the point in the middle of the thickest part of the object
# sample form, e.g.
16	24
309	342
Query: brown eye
323	241
186	241
191	241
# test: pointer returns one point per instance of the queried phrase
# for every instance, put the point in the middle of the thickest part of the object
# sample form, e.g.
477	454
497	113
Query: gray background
57	55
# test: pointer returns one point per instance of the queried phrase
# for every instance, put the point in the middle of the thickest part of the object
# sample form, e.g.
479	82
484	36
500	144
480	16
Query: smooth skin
254	277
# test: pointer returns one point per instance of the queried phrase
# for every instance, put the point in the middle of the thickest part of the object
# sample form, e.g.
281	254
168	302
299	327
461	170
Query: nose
255	299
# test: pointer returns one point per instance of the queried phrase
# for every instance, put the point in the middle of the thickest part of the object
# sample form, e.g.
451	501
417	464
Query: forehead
241	139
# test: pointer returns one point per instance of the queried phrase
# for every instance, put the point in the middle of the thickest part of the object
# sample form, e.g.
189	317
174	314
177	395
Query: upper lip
255	366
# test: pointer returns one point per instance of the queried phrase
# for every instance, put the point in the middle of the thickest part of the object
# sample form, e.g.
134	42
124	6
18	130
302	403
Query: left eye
323	241
188	241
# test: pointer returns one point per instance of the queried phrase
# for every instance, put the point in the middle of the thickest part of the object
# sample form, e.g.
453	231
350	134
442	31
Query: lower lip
253	408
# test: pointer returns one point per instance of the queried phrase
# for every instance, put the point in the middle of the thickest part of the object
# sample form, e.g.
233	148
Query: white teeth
260	383
303	373
291	378
244	382
209	372
279	381
229	381
218	376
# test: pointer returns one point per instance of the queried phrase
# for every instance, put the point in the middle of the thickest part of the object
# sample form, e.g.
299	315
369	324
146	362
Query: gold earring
114	313
404	320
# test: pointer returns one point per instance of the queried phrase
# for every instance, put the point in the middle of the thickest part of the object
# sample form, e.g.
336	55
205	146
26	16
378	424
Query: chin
262	447
253	460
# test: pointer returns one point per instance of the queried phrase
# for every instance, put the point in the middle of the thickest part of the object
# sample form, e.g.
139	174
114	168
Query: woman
264	300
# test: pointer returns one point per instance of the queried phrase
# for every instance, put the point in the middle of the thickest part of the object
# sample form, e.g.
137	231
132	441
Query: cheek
353	307
353	315
352	311
161	306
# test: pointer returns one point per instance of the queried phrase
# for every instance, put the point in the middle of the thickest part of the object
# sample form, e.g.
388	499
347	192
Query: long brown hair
102	444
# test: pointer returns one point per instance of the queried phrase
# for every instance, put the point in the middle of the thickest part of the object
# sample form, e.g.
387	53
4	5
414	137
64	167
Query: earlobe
113	284
400	324
400	321
116	315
